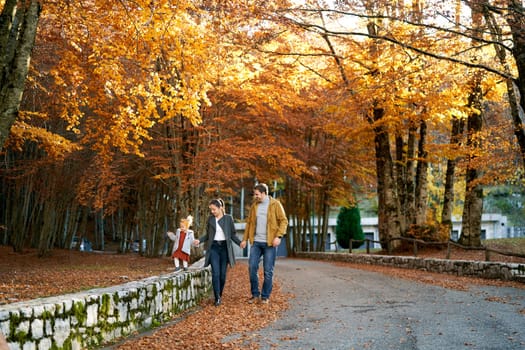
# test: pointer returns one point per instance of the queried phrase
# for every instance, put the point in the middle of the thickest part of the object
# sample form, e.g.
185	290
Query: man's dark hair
263	188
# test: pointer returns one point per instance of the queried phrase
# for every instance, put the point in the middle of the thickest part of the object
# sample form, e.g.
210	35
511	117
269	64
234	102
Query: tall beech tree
406	105
18	27
393	23
473	206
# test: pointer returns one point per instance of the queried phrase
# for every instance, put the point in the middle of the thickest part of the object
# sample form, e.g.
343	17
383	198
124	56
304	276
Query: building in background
493	226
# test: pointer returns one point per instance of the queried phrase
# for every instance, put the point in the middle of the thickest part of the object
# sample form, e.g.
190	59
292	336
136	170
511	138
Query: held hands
196	242
276	241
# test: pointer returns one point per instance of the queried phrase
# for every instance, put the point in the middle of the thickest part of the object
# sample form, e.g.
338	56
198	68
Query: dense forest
117	117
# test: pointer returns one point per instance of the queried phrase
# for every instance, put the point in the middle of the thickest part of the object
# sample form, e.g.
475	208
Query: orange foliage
209	93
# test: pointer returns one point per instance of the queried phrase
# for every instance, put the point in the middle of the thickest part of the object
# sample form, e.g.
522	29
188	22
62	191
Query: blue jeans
219	264
257	250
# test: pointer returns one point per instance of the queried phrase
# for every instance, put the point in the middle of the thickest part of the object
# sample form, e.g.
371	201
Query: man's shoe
253	300
218	302
264	301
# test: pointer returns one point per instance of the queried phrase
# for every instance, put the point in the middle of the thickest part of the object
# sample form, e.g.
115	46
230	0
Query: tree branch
324	31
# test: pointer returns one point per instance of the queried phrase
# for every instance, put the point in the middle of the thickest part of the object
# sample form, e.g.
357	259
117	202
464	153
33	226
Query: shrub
349	226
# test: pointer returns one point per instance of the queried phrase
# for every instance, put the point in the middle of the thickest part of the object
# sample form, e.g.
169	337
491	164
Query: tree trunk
410	180
421	193
47	228
517	28
389	223
18	27
473	206
458	125
472	211
401	169
405	176
322	219
326	217
293	207
99	229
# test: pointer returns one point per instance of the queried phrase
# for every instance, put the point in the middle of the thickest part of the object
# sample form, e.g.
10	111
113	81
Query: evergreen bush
349	226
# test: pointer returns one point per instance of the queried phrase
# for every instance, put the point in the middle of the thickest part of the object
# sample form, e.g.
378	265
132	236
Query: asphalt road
342	308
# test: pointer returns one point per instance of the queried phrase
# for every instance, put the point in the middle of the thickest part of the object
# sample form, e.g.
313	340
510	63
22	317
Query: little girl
183	239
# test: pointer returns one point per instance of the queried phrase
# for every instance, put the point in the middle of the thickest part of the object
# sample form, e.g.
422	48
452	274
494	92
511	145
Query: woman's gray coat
228	227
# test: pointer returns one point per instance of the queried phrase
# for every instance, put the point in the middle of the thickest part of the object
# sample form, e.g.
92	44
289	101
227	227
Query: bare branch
341	34
406	21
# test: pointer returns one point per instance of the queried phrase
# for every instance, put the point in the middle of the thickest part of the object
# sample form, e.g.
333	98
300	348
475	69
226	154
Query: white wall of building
492	226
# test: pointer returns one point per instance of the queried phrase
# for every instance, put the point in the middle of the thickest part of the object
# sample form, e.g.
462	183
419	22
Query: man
265	228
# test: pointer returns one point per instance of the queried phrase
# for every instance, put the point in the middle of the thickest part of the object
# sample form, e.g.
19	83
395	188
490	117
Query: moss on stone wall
105	305
144	309
79	311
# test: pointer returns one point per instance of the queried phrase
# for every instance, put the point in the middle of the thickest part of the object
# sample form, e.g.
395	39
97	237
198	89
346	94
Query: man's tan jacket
276	224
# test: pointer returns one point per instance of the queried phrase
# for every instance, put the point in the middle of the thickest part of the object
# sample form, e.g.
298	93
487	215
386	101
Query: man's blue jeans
257	250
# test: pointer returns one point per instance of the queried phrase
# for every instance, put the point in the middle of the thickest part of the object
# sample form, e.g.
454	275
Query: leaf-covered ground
25	276
212	327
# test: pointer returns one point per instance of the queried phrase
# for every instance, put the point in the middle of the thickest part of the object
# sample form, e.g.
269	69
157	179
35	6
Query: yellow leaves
125	66
54	145
161	100
76	46
494	87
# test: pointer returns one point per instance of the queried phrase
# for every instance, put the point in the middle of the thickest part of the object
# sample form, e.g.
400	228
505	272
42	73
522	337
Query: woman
220	232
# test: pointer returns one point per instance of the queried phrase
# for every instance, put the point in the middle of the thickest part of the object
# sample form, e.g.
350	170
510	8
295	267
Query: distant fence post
448	250
487	254
350	246
367	246
415	247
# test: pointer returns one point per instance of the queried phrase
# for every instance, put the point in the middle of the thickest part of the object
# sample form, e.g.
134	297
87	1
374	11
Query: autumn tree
109	105
473	207
18	27
391	24
400	178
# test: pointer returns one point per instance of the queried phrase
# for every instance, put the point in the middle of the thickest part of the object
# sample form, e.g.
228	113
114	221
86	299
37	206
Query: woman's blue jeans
268	254
219	264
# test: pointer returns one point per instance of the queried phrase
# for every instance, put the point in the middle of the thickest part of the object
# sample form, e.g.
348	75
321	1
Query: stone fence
482	269
91	318
96	317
